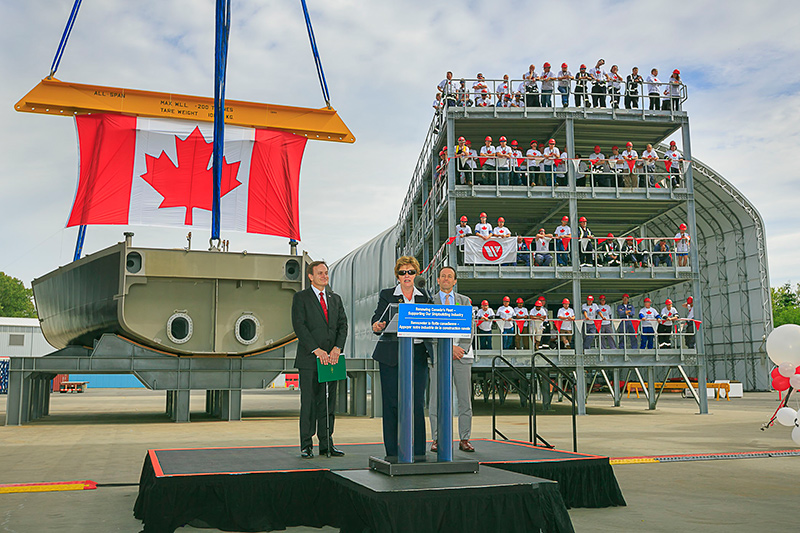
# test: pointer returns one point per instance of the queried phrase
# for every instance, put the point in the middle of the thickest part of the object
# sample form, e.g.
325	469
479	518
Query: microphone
419	283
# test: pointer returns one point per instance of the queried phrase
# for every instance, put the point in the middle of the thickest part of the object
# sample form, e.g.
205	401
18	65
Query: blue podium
444	323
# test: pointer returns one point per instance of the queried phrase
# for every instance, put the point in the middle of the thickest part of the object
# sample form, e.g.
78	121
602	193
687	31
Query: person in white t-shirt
538	316
649	158
506	314
674	158
614	83
521	339
604	313
562	234
484	229
447	89
533	158
599	176
501	230
649	318
504	88
589	314
479	86
489	176
542	255
669	317
567	316
503	154
552	158
682	242
484	317
688	330
654	90
600	78
517	169
547	78
462	230
630	156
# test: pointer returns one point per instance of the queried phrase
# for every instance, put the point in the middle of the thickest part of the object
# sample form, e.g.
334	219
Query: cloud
383	61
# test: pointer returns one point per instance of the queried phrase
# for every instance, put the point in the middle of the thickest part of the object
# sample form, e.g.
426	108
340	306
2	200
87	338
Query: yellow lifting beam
55	97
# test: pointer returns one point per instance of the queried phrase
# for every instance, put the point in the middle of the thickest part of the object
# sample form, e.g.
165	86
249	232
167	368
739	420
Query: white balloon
796	435
783	344
786	416
786	369
794	381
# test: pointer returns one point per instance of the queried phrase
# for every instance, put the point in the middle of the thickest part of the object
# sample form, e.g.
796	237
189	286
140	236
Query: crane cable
320	73
65	37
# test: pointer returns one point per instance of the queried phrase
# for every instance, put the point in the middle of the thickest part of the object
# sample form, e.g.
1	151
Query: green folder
332	372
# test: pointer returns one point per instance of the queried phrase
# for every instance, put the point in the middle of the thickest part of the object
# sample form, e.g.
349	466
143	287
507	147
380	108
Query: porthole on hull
179	328
246	329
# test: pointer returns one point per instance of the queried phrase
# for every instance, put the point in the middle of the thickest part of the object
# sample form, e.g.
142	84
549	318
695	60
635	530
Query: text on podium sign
434	321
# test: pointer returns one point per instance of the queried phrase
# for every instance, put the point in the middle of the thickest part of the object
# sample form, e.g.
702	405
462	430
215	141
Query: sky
383	60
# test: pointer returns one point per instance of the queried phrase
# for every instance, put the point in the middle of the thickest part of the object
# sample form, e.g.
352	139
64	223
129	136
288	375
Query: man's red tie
324	307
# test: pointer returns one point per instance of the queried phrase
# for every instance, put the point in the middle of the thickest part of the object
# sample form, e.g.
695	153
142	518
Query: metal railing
627	337
502	94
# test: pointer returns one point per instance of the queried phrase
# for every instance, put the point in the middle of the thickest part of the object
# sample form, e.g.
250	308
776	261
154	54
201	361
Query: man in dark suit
320	324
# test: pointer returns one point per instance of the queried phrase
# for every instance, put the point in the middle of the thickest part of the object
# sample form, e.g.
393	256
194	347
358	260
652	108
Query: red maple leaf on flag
189	183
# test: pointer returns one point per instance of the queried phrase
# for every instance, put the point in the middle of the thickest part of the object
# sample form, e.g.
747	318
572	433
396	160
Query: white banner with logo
495	251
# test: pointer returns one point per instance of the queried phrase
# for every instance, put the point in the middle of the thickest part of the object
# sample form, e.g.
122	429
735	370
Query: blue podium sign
434	321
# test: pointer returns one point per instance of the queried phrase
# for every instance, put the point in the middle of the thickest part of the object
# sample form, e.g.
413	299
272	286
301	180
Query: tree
785	305
15	299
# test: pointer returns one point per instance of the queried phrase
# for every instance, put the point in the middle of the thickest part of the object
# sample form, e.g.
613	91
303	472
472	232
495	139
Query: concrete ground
103	436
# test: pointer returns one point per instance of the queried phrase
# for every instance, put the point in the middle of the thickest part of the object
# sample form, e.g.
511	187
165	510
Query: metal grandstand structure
727	274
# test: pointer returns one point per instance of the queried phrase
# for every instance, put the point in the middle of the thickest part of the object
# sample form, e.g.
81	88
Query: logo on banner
492	250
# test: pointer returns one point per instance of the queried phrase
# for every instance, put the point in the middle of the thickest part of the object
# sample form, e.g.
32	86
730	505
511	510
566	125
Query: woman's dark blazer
387	347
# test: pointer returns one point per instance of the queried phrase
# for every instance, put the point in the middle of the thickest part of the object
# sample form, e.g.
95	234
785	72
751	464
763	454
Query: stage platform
271	487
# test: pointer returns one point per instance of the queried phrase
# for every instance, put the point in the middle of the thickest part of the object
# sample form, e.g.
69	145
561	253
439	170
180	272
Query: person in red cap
567	316
604	314
600	177
501	230
626	312
674	157
547	78
599	77
484	318
533	157
462	153
649	318
632	89
516	170
462	232
564	84
669	317
562	234
538	316
631	178
488	176
522	339
589	314
551	154
484	229
531	87
506	313
654	90
673	92
688	330
504	154
586	242
611	253
682	241
582	78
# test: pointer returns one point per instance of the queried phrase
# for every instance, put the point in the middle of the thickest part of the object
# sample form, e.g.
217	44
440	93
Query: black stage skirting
271	488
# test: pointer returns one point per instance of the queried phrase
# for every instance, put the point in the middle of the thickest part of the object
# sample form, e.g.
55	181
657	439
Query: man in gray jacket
462	367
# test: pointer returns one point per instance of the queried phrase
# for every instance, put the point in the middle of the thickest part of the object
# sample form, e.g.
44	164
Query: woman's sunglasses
406	272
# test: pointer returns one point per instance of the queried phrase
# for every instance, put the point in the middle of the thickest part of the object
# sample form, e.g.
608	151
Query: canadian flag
150	171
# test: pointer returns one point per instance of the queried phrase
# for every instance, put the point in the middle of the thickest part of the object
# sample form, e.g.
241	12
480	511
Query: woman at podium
386	353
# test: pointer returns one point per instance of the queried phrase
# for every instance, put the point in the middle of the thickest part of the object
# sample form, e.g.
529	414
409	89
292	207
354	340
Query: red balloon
797	370
780	383
775	372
